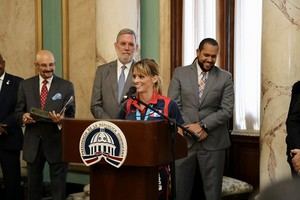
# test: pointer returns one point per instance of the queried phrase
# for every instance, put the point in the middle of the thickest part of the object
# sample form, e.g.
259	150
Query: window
199	22
247	64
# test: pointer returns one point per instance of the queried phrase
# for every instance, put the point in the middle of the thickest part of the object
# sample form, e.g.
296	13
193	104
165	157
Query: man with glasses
42	138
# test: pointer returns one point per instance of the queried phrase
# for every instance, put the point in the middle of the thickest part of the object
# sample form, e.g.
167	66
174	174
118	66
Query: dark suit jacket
293	120
104	102
216	106
28	97
8	99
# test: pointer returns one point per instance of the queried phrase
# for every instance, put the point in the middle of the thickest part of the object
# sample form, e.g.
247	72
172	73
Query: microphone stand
174	125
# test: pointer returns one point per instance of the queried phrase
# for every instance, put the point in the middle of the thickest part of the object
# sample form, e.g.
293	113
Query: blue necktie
121	83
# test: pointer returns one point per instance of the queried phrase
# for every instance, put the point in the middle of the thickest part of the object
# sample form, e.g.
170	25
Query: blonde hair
149	67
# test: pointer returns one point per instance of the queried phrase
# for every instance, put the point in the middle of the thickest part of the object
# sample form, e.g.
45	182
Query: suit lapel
194	78
52	90
114	80
36	92
128	82
211	79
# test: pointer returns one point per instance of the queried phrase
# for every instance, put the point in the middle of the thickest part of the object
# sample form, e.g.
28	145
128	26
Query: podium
149	146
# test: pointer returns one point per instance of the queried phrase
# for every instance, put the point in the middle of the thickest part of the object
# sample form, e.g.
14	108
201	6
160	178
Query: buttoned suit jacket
215	108
104	101
46	134
8	99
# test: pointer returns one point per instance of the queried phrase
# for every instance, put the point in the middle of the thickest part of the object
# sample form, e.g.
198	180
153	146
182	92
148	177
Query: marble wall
82	56
111	17
91	28
91	41
165	43
18	36
280	69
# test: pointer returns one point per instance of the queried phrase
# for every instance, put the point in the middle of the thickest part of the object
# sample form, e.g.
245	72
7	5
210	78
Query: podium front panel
149	145
135	183
149	142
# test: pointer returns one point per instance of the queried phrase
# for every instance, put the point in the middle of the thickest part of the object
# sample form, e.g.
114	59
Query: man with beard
113	79
204	94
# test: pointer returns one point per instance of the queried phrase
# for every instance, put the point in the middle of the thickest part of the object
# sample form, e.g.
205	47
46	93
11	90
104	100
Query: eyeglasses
46	64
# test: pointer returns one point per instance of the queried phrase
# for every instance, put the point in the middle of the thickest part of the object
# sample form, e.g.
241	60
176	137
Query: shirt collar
2	77
128	65
48	79
199	70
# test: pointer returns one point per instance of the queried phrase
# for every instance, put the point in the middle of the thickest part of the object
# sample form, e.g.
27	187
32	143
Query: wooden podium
149	146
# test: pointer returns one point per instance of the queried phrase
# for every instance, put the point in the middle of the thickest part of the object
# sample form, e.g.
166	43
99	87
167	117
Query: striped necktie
202	82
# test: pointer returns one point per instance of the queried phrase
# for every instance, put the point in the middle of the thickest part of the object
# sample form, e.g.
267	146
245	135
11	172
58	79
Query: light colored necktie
121	83
202	82
44	94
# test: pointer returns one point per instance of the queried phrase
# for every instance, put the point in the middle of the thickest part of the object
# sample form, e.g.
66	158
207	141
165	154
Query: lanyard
138	114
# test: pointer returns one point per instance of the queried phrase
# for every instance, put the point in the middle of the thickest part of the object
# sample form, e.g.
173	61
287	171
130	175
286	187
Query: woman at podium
147	82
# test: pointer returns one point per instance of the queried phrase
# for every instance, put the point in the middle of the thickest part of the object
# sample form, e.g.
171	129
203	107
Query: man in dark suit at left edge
11	136
42	137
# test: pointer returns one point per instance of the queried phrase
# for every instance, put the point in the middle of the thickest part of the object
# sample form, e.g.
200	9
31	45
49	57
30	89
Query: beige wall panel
17	36
112	16
165	43
82	56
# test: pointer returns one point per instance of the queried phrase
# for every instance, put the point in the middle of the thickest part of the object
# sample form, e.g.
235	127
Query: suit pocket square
57	96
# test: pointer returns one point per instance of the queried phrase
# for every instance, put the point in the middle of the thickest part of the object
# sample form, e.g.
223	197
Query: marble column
280	69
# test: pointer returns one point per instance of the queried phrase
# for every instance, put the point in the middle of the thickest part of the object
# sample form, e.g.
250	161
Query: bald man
42	139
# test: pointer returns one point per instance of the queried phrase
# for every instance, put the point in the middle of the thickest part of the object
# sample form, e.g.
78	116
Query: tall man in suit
11	136
42	139
107	93
206	110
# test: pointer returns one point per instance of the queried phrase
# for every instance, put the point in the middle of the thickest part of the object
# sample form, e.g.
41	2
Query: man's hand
296	159
197	130
56	117
27	119
2	129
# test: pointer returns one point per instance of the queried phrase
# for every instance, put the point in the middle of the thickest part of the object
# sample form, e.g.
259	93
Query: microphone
129	94
65	106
